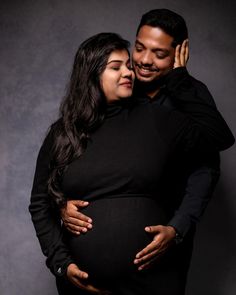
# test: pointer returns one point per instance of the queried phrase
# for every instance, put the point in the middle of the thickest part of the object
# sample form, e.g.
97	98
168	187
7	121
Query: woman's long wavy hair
83	107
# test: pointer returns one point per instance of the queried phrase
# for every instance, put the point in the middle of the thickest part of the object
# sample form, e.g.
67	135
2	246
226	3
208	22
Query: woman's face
117	78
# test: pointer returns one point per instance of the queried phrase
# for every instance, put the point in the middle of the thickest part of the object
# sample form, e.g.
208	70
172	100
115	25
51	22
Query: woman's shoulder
49	138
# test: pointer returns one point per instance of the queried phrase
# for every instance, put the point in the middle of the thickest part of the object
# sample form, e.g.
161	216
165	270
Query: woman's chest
125	157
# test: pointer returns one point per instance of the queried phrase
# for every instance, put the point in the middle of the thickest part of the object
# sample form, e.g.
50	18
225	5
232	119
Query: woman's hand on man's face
75	221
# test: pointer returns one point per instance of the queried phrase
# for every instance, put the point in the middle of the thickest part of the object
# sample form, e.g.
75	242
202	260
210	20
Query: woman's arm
45	217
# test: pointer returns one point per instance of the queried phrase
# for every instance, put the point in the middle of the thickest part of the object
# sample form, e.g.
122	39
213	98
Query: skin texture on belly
108	250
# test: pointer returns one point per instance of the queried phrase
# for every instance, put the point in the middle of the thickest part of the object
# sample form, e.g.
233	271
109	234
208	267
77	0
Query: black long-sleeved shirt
143	136
192	183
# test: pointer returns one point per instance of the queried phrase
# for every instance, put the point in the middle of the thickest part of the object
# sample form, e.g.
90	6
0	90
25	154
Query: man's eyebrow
154	49
140	43
162	50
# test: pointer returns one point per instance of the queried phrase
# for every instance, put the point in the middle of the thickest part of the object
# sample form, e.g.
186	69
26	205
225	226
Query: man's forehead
153	37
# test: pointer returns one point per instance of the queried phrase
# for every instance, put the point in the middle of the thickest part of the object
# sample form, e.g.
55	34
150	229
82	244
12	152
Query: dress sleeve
192	97
45	216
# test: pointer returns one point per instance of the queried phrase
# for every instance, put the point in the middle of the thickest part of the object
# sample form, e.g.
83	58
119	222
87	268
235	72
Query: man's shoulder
202	90
197	83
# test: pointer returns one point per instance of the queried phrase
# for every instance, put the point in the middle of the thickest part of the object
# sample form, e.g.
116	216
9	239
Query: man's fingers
76	229
83	217
77	203
78	222
149	263
146	257
77	215
150	247
187	51
183	60
74	232
177	56
182	55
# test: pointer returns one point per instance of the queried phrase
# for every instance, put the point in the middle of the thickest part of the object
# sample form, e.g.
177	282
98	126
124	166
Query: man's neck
152	93
150	89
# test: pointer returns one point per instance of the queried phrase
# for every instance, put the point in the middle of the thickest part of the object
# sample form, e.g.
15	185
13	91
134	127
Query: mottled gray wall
37	44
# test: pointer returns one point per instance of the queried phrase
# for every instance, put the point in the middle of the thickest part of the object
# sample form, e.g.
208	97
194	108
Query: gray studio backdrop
37	45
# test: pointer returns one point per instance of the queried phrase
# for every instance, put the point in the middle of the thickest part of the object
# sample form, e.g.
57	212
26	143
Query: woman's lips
127	84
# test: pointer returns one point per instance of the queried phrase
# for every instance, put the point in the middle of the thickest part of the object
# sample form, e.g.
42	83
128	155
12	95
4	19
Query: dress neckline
116	107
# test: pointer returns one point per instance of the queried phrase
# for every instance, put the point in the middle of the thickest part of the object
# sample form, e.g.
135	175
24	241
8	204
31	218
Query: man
159	59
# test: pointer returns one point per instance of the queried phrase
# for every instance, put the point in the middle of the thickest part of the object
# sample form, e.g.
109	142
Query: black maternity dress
120	175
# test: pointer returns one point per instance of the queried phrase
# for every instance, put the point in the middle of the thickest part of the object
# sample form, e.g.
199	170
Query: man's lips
146	70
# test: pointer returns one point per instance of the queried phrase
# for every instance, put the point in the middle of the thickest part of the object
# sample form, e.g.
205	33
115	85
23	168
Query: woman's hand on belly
163	238
78	278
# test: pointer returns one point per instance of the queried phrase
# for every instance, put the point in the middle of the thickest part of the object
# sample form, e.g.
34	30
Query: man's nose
146	59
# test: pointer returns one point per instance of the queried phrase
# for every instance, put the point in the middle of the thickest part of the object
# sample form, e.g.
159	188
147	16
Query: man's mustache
151	69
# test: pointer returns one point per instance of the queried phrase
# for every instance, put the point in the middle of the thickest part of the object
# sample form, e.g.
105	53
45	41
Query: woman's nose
127	72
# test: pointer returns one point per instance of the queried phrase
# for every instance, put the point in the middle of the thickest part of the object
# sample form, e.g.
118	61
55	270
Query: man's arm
187	95
200	185
194	99
191	97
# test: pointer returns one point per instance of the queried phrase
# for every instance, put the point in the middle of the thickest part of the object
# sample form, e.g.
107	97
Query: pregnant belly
107	251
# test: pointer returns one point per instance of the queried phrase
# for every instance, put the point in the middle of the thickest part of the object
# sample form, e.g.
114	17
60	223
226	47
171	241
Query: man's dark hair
170	22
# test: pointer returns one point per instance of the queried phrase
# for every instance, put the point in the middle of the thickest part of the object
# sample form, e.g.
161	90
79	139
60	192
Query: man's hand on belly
163	237
75	221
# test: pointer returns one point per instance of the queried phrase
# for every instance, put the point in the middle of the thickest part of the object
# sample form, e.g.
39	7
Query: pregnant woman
108	149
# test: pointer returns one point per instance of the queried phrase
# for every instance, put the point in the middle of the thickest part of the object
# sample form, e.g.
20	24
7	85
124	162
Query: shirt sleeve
188	94
199	189
45	216
192	97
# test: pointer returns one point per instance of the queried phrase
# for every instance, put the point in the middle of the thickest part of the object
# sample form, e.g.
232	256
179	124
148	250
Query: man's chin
145	79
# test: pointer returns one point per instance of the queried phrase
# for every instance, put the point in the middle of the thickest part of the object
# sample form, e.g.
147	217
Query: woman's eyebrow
115	60
118	61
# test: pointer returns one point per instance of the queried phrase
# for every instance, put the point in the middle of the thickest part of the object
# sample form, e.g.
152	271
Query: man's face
153	54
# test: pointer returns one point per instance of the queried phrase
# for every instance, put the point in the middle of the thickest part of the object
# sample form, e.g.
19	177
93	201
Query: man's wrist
178	238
